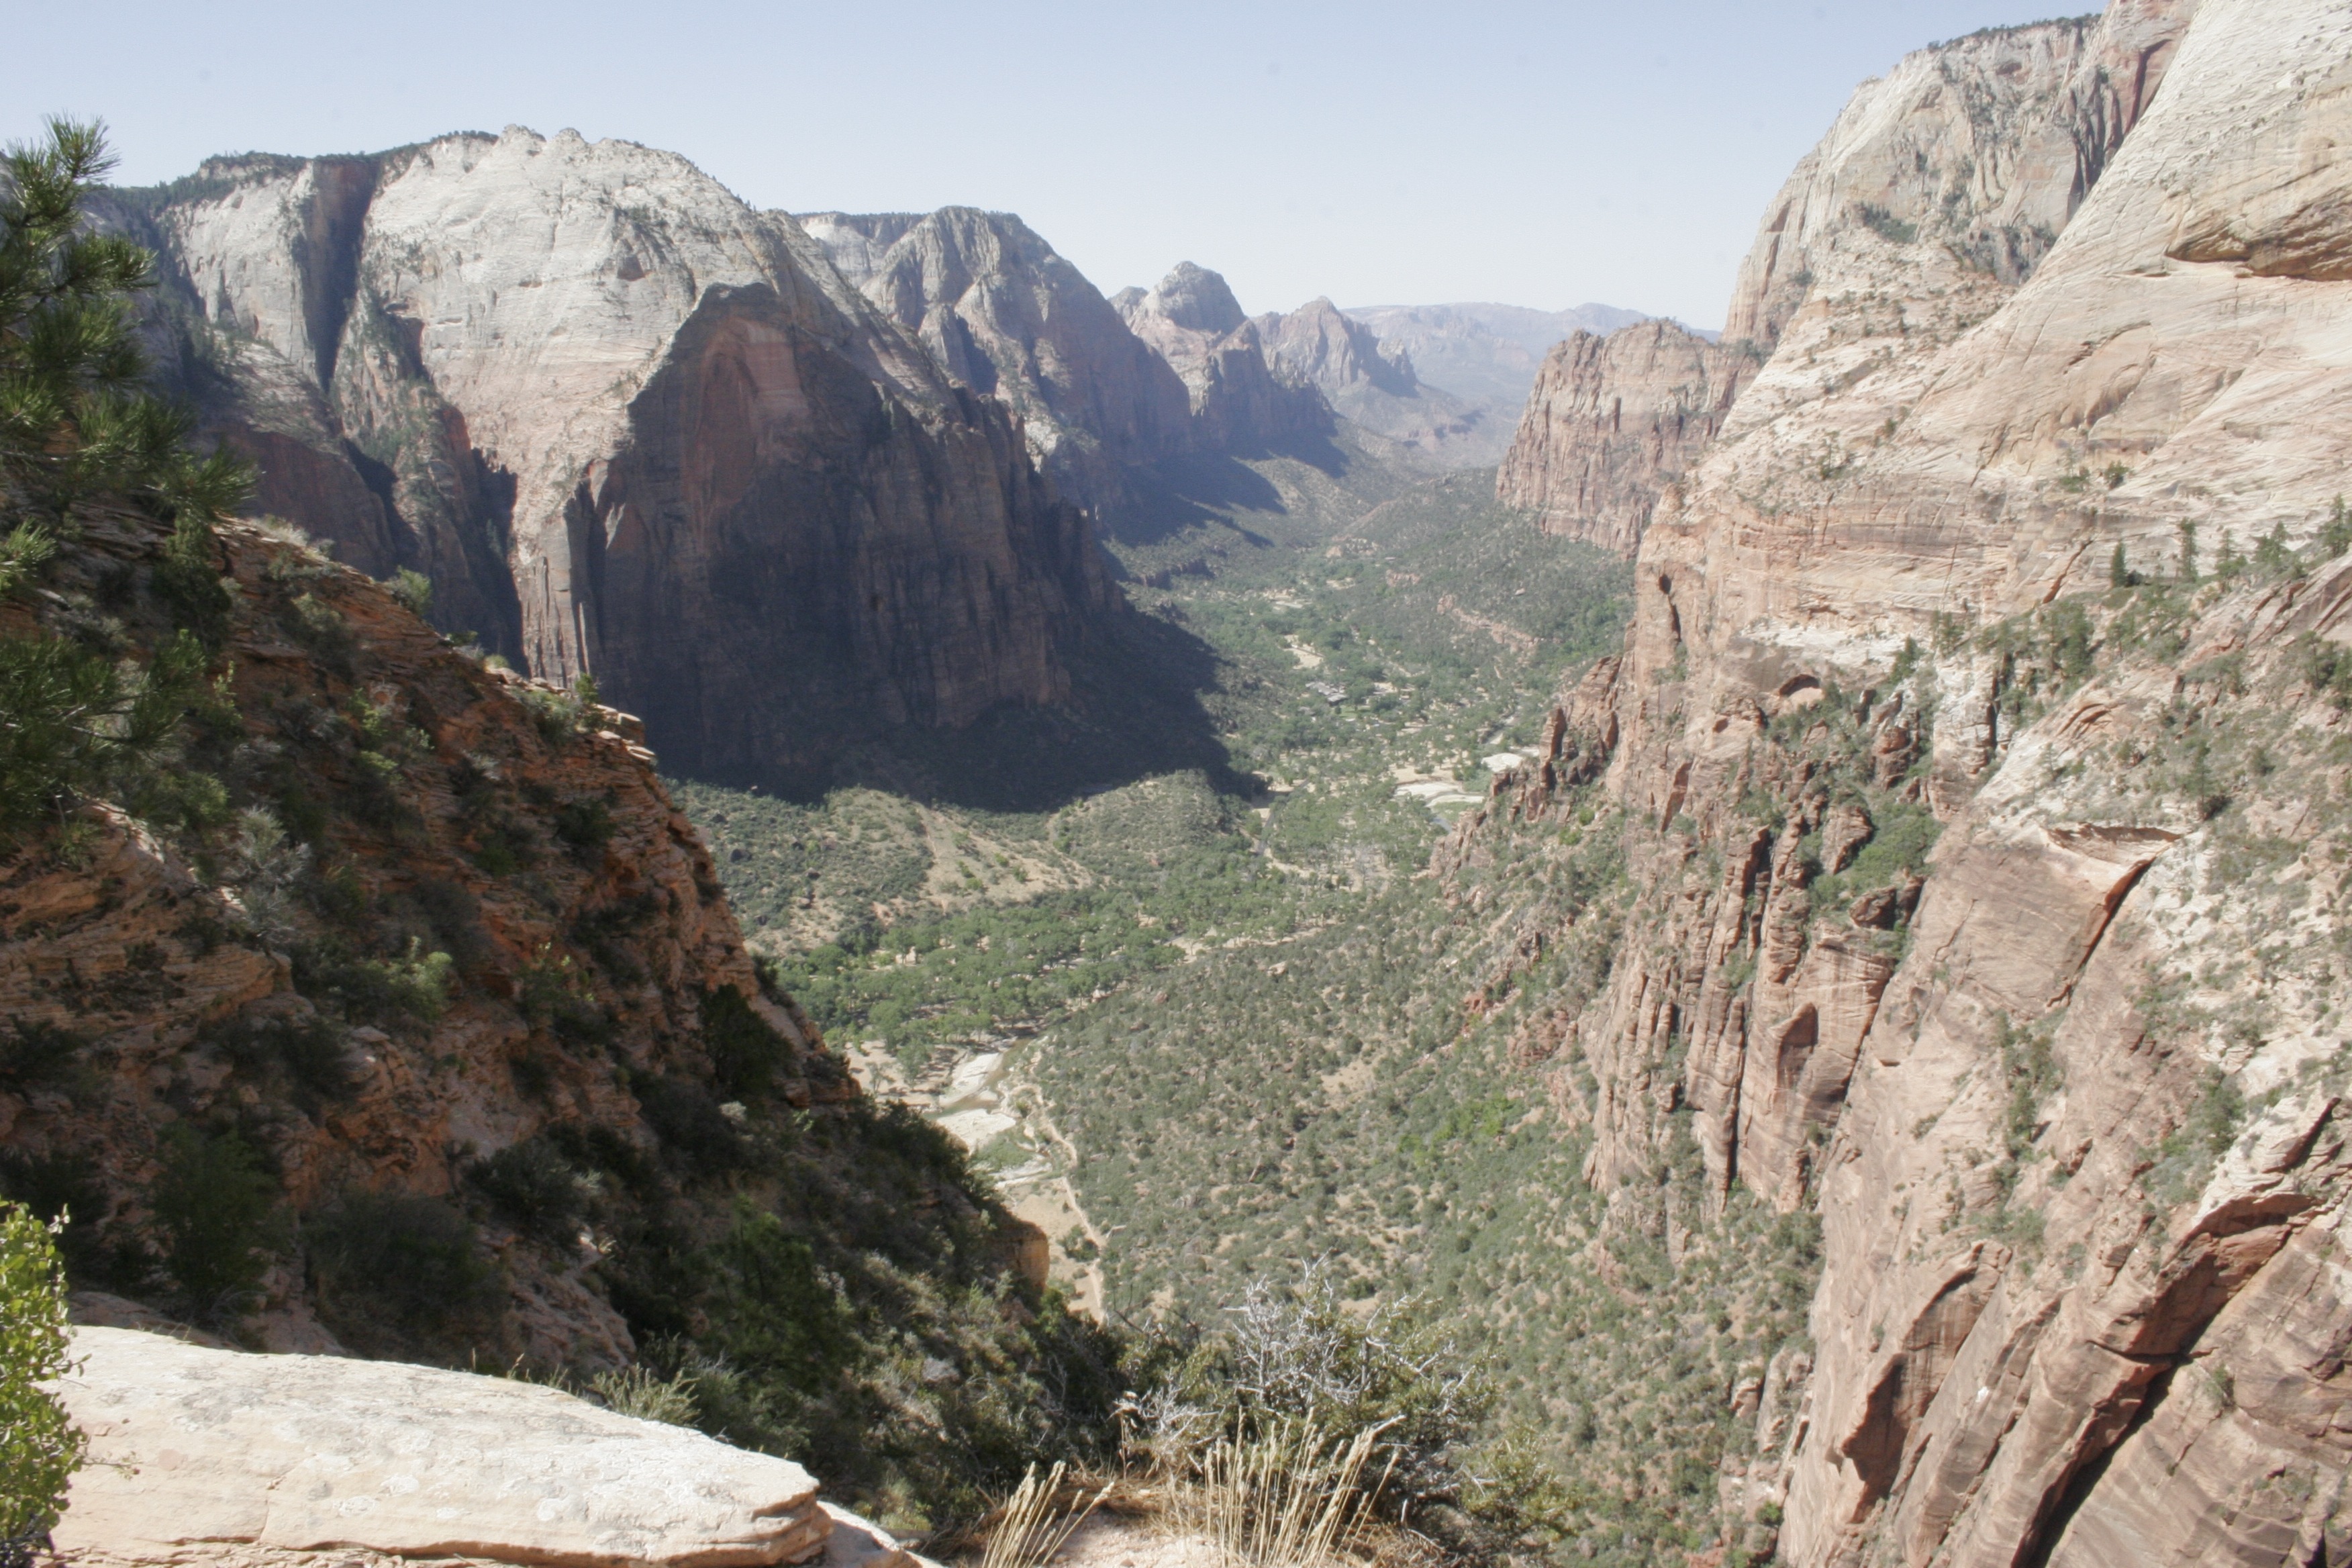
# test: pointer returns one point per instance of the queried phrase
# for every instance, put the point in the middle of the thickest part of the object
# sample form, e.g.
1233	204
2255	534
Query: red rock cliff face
461	356
2065	1091
437	805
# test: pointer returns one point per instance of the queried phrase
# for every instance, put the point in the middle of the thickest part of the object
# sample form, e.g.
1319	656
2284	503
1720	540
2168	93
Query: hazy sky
1543	154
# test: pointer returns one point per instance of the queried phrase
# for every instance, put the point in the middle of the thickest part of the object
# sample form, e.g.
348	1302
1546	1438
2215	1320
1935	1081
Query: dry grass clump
1287	1498
1037	1520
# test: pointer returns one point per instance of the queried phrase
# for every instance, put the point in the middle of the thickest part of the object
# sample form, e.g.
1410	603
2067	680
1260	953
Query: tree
39	1448
74	416
75	422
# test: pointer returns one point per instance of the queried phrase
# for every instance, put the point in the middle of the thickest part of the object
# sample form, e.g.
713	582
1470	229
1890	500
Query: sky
1375	153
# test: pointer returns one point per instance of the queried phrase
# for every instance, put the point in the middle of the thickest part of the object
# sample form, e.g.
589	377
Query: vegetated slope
407	1016
2059	593
1233	1021
628	427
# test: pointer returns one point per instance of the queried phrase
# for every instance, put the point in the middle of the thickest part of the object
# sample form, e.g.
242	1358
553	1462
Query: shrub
323	632
1302	1356
395	1269
308	1052
585	824
189	584
63	1192
689	1124
413	589
745	1052
39	1448
534	1188
557	996
213	1205
636	1390
34	1054
413	989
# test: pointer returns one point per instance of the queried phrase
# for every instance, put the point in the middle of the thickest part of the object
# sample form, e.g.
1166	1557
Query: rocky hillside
1373	385
1004	314
598	401
1979	739
1239	404
406	1017
1935	196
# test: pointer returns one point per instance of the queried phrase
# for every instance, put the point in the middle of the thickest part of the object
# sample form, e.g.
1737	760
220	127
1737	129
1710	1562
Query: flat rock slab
191	1446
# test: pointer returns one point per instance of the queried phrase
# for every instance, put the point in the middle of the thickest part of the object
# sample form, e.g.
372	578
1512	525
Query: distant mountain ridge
1484	353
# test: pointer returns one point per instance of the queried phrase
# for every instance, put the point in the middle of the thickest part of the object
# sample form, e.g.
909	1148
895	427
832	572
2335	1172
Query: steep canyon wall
1983	761
630	427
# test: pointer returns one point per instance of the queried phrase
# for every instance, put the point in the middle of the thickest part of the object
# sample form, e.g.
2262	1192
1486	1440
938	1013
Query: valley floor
1216	1023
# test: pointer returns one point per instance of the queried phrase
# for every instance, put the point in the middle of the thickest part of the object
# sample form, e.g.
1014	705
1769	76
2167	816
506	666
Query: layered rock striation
1612	422
1938	191
629	428
1980	753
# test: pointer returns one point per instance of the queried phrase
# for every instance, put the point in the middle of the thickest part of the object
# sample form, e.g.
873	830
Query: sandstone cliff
1239	402
1004	314
1980	736
629	426
1374	385
1938	192
1612	422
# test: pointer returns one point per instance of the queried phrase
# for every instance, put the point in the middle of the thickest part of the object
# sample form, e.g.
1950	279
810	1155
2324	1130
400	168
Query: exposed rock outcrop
2065	1092
1612	422
193	1447
1239	402
1365	380
211	1455
1938	191
1004	314
629	426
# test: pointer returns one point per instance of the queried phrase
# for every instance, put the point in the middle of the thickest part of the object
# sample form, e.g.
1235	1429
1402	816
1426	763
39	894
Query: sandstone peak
1195	298
1318	343
1002	313
1321	346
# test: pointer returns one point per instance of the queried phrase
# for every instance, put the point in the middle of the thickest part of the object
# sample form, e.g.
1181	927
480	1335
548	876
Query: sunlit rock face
631	428
2019	535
